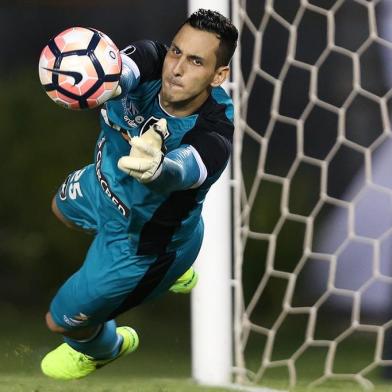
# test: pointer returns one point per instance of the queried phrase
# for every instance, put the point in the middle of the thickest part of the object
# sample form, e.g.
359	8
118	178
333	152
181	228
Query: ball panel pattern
80	68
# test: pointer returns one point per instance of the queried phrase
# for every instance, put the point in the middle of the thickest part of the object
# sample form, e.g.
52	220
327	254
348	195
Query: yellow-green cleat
186	282
65	363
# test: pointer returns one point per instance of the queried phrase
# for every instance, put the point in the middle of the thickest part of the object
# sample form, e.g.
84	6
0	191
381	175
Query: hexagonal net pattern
313	192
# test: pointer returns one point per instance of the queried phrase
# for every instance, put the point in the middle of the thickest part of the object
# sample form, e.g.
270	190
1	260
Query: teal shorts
113	278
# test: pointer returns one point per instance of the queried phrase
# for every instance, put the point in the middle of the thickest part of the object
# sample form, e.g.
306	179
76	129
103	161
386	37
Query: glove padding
116	92
144	162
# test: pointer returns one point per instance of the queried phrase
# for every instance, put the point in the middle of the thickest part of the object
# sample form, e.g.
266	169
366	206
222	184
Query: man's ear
220	76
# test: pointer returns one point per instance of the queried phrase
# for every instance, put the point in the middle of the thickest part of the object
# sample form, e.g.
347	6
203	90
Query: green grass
100	382
161	364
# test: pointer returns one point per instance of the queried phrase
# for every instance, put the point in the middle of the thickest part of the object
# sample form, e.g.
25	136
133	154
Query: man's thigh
162	271
114	279
108	275
76	200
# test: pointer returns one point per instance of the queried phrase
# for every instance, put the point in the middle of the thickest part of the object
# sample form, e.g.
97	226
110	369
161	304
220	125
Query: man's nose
178	69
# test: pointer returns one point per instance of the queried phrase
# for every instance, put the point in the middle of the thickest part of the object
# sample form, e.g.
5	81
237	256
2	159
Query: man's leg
99	341
57	213
82	333
68	363
77	311
74	204
186	282
80	312
181	277
86	348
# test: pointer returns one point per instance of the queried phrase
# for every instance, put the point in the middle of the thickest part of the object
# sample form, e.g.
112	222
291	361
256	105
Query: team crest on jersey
152	120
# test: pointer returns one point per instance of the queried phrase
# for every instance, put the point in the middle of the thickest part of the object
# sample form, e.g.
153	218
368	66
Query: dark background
40	142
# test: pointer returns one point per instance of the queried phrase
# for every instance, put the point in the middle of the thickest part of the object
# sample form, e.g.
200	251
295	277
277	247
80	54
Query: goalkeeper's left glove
145	159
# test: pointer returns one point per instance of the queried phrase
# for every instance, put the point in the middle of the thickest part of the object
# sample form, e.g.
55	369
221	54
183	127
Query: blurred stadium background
41	143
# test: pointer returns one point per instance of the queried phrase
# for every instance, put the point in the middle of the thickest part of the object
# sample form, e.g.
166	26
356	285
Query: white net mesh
312	163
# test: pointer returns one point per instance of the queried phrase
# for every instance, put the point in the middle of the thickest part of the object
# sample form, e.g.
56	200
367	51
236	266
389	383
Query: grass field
100	383
161	364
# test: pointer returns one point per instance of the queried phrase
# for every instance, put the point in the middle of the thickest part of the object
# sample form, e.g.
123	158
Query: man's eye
197	62
176	51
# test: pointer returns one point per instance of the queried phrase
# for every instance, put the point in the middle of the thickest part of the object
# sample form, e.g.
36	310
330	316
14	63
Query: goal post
211	302
307	298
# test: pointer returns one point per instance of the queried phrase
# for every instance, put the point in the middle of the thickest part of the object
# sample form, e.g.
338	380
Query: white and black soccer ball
80	68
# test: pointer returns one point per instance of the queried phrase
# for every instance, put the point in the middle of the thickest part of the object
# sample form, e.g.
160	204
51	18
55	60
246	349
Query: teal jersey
159	221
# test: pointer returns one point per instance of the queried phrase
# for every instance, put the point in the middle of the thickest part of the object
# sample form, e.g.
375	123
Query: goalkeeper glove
116	92
144	162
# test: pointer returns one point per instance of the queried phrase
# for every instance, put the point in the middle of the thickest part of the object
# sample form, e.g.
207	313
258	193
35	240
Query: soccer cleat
65	363
186	282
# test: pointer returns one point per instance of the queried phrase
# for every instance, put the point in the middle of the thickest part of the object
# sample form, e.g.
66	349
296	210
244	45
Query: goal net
313	192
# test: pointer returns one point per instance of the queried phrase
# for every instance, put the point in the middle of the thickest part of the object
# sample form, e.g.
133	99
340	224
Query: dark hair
214	22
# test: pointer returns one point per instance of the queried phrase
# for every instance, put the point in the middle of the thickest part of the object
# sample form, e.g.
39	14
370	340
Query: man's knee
80	333
52	325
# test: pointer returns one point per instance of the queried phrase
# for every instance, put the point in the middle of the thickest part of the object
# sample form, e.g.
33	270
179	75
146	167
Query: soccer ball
80	68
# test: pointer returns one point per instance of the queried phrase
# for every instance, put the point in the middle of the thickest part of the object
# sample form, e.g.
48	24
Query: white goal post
311	277
211	302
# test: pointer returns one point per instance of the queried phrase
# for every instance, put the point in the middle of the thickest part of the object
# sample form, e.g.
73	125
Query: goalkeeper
166	137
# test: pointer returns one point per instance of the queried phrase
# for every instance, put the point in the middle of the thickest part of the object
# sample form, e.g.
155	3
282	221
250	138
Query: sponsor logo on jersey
134	122
151	121
124	210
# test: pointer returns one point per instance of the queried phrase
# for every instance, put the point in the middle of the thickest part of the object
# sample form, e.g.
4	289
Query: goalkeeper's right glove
145	159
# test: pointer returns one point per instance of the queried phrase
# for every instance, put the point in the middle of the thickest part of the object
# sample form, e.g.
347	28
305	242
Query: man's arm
130	76
180	169
142	61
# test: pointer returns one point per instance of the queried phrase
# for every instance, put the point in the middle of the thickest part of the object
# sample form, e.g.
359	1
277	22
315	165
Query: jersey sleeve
145	58
179	171
211	138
